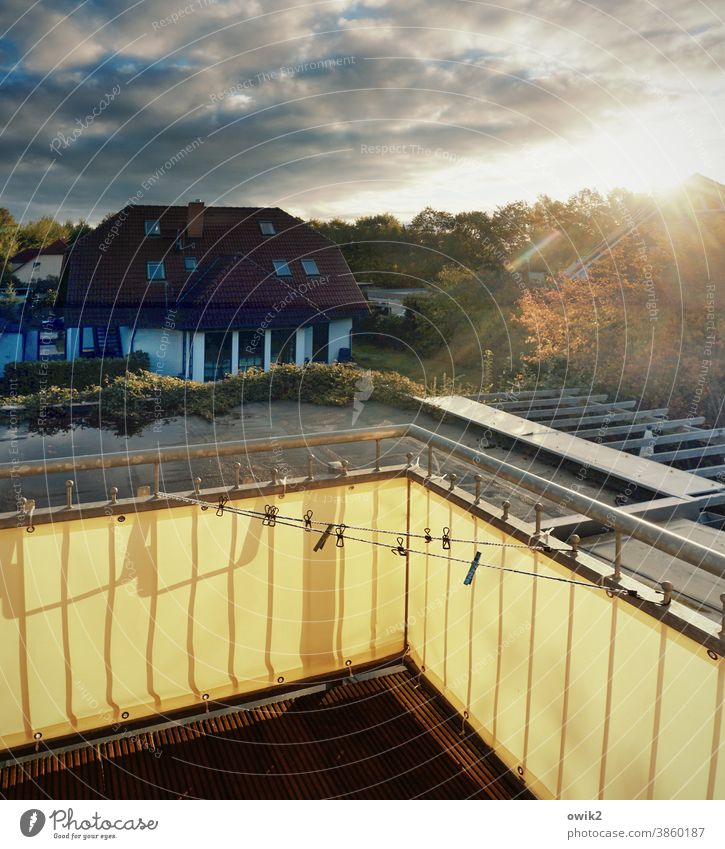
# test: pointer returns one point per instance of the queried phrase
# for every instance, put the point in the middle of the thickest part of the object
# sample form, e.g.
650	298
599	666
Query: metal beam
551	403
612	417
522	394
637	427
236	448
586	408
667	438
710	471
689	453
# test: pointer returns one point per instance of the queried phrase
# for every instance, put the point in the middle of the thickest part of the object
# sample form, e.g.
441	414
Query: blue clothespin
468	580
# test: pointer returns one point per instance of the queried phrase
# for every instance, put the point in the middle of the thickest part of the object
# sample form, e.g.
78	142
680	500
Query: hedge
30	377
134	400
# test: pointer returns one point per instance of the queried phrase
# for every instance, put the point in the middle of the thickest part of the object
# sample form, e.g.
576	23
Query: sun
642	156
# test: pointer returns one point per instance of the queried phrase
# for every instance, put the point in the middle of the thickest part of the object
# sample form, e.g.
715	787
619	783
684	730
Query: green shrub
135	399
26	378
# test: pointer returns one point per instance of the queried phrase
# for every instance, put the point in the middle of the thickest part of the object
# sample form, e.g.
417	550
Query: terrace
310	612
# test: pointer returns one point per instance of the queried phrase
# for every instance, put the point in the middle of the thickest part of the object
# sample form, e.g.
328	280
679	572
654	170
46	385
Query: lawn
424	369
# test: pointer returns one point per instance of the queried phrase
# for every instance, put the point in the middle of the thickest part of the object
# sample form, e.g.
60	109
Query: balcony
316	614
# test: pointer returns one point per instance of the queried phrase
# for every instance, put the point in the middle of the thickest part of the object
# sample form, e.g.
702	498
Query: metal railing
622	523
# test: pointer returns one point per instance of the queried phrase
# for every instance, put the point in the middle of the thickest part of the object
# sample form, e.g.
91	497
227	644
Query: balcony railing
585	682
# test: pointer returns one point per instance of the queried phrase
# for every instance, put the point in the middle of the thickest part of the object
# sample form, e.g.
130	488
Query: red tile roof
390	737
234	283
54	248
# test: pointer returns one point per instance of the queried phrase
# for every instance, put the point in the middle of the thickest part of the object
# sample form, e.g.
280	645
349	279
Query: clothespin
308	521
220	508
400	548
270	515
541	540
340	530
446	539
320	544
468	580
428	538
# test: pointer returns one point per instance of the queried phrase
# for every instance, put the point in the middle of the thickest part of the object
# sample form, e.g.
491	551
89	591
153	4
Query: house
34	264
208	291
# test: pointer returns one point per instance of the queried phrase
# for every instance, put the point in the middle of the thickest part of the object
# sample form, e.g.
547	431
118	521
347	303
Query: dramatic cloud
343	108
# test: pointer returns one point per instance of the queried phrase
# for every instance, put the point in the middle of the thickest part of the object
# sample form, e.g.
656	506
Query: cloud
286	98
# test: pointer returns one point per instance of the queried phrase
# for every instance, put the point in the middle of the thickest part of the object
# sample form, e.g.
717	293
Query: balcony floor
377	738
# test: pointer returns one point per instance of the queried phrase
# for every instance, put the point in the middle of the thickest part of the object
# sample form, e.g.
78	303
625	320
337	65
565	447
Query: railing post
69	494
452	477
157	479
197	486
377	455
617	555
538	509
409	459
237	471
505	507
114	494
666	593
343	467
574	541
478	479
275	472
430	461
310	467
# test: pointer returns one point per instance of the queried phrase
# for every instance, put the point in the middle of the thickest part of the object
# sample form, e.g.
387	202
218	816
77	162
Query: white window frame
281	263
155	278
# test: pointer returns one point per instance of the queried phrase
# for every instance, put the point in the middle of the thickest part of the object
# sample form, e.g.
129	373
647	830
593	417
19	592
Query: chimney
195	220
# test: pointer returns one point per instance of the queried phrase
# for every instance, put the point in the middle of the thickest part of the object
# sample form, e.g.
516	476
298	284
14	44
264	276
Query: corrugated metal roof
382	738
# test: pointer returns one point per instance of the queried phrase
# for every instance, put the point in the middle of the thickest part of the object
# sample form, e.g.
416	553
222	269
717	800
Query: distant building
392	301
34	264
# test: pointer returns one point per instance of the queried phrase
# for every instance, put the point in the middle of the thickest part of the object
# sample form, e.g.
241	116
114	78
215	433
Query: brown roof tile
234	280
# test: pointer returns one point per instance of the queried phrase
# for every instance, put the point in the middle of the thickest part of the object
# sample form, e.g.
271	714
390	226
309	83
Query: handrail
659	538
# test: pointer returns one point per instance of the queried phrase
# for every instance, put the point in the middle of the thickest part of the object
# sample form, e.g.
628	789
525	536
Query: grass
422	369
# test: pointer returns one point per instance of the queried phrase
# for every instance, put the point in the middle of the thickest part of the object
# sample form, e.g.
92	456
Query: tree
8	235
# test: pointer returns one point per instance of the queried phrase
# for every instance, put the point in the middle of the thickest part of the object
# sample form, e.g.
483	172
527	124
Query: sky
337	108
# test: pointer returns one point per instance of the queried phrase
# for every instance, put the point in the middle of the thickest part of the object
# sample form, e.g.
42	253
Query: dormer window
156	270
152	228
281	268
310	267
189	263
266	228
